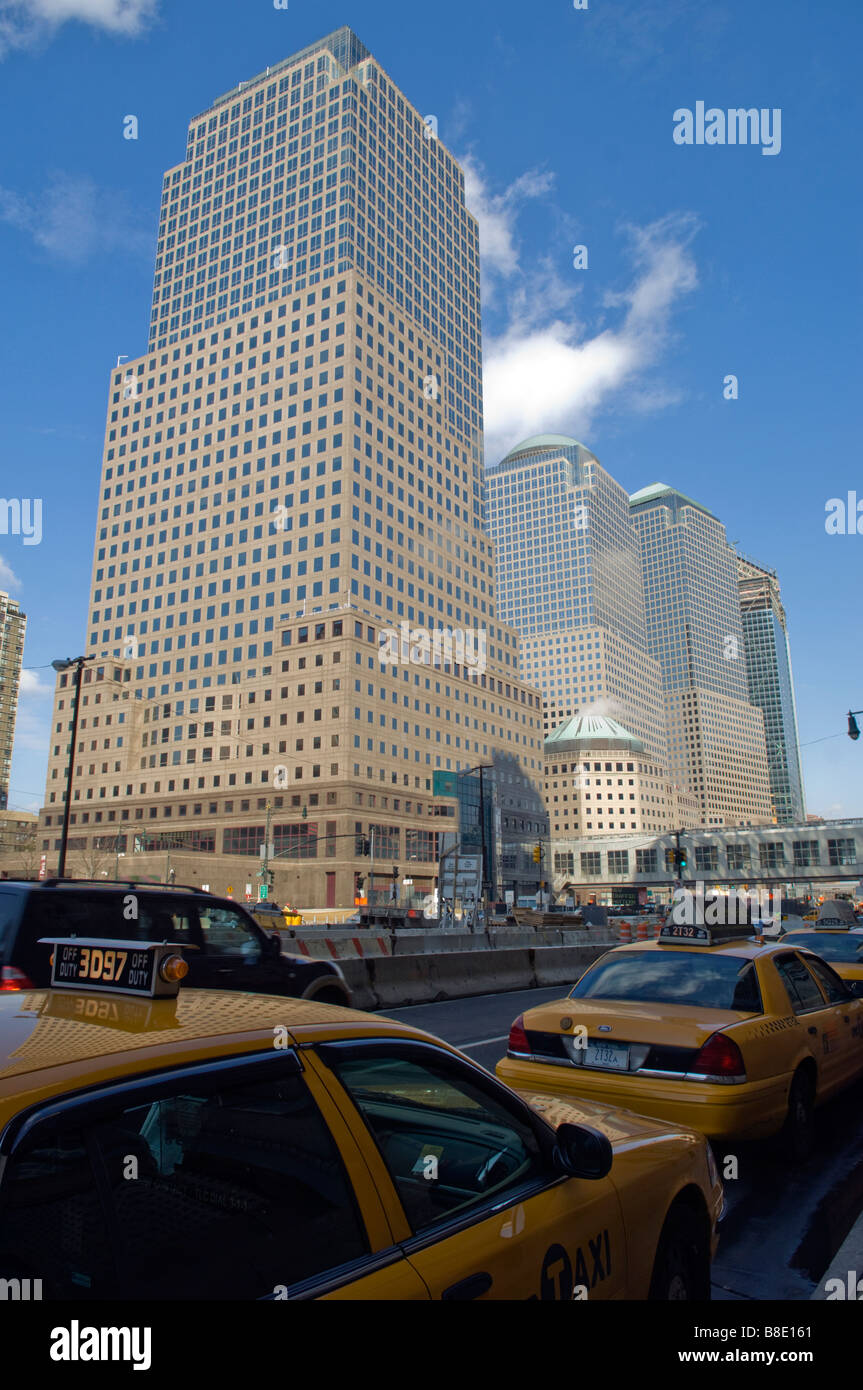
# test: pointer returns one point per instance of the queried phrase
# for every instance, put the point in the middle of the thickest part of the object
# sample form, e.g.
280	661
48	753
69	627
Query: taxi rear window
842	948
667	977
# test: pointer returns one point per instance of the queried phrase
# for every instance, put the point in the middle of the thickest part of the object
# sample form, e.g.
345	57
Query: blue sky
703	261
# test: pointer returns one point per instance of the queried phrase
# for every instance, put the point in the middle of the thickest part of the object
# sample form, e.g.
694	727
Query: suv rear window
10	908
653	977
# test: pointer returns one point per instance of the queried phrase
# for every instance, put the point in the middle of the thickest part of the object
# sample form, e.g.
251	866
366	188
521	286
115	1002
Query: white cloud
32	737
548	372
32	686
8	579
72	219
497	214
24	22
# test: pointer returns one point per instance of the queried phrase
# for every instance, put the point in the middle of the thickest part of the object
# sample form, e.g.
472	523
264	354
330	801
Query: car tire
330	996
798	1134
681	1270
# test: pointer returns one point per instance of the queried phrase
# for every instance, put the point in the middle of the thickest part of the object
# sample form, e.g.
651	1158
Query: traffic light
853	727
681	859
537	854
363	846
361	882
305	813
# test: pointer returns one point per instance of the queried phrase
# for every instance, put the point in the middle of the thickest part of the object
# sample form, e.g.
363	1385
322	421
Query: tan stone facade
281	488
13	624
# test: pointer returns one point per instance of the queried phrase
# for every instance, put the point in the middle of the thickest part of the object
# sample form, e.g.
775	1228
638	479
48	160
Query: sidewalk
848	1261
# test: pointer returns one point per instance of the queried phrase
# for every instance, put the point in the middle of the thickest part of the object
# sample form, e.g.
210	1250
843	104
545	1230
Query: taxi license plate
613	1056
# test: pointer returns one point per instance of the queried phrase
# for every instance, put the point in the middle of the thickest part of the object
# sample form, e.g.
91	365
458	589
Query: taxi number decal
557	1280
101	965
776	1025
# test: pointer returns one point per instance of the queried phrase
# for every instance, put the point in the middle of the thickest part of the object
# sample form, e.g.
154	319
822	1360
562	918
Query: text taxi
726	1033
159	1143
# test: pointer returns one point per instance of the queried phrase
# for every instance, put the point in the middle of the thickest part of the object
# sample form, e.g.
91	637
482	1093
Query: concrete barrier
398	980
489	972
563	965
410	943
356	973
392	982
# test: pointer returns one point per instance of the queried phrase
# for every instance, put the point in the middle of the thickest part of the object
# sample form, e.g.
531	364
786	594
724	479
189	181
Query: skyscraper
570	582
771	685
292	474
12	626
716	743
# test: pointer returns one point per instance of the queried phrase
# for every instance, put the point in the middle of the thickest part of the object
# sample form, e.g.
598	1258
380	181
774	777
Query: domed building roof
547	443
589	731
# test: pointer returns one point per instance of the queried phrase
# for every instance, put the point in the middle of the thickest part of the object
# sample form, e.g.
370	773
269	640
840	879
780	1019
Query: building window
738	858
706	857
772	856
564	863
645	861
591	864
807	853
618	861
842	852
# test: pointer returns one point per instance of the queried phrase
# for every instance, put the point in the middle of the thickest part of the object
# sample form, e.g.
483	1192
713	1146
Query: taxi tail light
721	1057
12	980
518	1041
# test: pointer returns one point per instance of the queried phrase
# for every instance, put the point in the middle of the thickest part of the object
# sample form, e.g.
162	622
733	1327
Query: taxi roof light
173	969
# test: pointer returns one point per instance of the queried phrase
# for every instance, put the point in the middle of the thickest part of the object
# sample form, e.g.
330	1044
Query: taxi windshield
708	981
830	946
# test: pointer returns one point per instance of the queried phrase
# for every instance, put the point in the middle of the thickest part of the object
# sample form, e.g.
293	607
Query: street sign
268	851
43	866
248	892
263	893
466	882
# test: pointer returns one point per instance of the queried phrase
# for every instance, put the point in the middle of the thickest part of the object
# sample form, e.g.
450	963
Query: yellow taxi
736	1036
160	1143
841	946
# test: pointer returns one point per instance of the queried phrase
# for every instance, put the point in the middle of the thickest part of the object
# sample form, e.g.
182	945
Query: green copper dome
585	731
539	443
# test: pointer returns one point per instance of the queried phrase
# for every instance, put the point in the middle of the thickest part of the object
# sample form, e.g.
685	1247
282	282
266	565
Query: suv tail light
12	979
518	1041
720	1058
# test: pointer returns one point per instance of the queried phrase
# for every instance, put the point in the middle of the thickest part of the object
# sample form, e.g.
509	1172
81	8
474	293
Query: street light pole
482	842
78	663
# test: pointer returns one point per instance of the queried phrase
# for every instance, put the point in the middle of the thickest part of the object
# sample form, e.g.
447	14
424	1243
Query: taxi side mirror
583	1152
275	942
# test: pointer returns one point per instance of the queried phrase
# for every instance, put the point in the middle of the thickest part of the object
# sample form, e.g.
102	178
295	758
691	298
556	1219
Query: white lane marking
465	1047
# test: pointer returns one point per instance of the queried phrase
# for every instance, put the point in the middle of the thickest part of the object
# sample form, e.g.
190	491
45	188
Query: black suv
233	951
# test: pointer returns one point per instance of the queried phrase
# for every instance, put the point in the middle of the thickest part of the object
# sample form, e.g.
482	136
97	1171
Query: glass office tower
771	685
569	580
292	473
716	743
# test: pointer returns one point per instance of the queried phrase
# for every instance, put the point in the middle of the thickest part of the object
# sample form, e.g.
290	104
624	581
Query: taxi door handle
814	1032
472	1287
